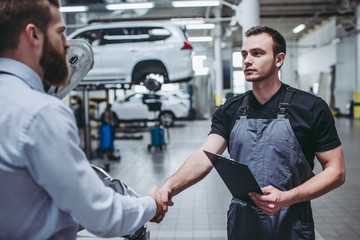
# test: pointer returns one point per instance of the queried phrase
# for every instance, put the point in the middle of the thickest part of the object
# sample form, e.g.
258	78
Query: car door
120	50
132	108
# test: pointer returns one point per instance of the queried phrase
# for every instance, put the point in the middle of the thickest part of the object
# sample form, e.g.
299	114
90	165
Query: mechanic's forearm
194	169
329	179
317	186
196	166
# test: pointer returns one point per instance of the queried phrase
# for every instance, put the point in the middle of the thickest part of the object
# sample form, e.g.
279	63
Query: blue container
157	136
106	137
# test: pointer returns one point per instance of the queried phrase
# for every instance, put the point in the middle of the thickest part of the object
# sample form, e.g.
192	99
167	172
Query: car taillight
187	46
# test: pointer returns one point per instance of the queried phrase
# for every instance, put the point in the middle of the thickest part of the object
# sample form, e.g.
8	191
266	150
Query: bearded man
47	185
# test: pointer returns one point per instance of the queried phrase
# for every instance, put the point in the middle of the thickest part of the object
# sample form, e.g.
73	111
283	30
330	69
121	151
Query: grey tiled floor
200	212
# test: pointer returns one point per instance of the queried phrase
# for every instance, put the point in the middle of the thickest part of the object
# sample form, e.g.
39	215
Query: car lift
106	129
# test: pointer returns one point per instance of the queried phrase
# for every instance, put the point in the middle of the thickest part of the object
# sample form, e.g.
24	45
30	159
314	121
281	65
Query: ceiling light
195	3
73	9
185	21
200	26
124	6
299	28
200	39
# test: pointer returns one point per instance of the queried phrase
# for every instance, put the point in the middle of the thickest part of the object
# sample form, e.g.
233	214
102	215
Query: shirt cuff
150	206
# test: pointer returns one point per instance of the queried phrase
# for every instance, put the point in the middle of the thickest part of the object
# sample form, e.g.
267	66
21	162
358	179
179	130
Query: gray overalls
270	149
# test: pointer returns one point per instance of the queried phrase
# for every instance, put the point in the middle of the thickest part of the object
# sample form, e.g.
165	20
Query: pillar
248	15
218	58
356	105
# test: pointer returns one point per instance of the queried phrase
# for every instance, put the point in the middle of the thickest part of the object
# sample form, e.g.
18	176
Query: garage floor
200	211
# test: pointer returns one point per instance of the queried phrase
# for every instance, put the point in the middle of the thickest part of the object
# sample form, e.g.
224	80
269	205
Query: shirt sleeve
58	164
225	117
218	123
324	132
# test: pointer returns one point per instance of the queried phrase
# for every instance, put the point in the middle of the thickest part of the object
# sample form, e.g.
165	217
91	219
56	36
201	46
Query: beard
54	63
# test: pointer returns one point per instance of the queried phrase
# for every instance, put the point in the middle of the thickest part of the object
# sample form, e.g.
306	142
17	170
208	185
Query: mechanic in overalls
277	131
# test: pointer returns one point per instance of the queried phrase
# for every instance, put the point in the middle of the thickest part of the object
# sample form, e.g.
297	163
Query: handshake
162	197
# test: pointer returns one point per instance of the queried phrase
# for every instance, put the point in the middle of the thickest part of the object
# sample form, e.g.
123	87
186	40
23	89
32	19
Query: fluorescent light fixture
69	9
200	39
195	3
299	28
124	6
126	37
200	26
185	21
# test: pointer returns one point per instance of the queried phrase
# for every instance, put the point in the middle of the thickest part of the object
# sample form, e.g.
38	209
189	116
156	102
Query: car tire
167	119
145	68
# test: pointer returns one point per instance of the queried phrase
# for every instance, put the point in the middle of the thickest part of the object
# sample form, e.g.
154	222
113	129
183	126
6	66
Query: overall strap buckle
245	105
284	104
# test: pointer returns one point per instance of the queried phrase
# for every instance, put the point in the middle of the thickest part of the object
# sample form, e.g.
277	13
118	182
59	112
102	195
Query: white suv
127	52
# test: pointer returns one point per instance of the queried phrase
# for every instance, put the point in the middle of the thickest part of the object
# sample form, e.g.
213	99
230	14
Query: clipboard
236	176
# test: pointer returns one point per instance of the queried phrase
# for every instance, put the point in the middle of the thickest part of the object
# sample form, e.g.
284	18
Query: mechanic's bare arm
194	169
332	176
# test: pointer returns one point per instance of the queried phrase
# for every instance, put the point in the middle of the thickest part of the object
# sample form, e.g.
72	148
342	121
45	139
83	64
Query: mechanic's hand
155	194
166	197
272	200
165	193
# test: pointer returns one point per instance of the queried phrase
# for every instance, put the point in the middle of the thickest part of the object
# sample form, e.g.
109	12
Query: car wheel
150	68
167	119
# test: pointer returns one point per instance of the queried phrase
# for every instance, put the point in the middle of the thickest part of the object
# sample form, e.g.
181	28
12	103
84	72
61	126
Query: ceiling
283	15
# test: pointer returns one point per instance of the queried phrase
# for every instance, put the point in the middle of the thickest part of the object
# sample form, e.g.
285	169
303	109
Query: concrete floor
200	211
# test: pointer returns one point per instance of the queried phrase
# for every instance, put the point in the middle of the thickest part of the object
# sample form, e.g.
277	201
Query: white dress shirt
47	185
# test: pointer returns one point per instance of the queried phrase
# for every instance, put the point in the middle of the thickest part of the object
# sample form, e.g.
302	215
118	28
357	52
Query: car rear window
134	34
92	36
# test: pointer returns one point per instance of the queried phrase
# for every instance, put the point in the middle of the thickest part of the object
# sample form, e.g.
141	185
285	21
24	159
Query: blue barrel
157	136
162	135
106	137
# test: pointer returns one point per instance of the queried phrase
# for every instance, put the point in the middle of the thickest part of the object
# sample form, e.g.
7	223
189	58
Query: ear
33	35
280	58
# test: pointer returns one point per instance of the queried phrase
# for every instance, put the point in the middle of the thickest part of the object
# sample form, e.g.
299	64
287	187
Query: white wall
316	54
288	70
315	60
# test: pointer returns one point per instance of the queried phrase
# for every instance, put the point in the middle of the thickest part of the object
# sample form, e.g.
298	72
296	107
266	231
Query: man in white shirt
47	185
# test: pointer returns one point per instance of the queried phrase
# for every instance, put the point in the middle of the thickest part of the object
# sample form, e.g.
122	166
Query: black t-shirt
309	116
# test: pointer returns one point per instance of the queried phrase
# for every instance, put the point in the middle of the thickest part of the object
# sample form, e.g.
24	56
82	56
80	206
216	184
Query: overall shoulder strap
245	104
284	104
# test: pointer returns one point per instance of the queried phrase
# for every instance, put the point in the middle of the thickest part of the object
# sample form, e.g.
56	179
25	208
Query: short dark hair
15	15
279	40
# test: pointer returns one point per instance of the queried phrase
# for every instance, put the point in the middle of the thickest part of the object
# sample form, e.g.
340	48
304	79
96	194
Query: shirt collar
22	71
